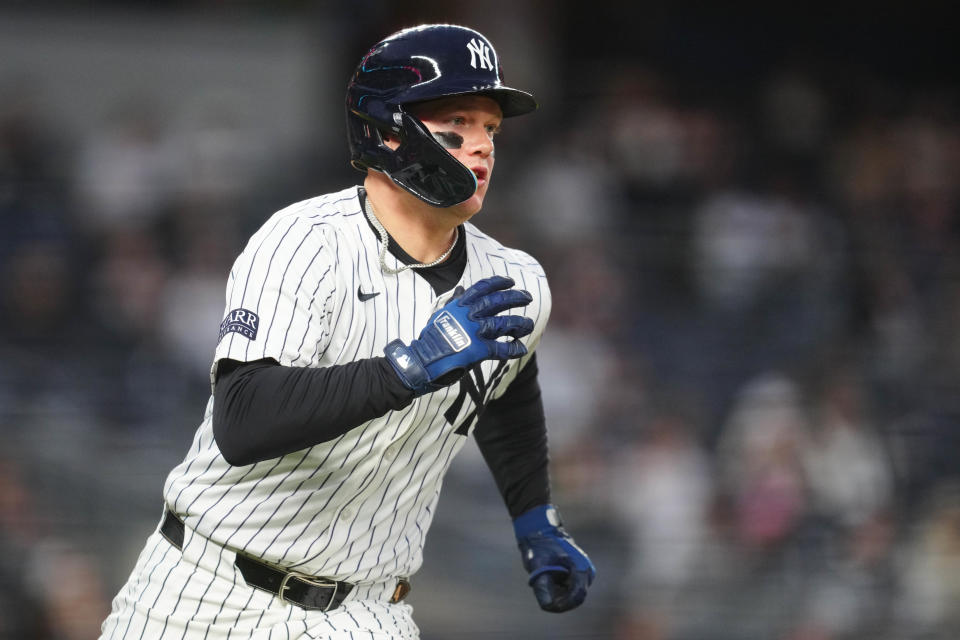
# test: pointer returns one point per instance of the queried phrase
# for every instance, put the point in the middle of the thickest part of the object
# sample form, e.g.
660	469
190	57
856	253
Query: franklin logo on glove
452	331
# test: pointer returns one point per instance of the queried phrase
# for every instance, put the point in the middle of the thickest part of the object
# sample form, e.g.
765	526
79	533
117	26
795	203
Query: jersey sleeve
279	295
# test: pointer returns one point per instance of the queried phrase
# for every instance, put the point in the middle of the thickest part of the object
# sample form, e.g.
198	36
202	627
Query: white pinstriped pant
199	593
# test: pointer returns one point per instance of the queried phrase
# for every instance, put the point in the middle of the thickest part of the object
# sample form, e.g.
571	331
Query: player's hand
560	571
462	333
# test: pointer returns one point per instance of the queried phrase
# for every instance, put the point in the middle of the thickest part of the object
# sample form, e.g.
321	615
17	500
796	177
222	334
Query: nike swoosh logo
366	296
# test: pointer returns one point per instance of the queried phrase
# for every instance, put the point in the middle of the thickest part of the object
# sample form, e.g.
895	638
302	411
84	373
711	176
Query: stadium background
749	220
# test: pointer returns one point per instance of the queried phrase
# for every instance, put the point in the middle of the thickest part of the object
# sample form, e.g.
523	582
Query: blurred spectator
853	594
203	240
72	590
217	156
929	604
44	320
21	614
847	465
569	195
899	341
795	111
125	170
661	493
48	589
37	289
760	458
586	382
928	141
32	149
866	165
748	248
582	373
128	282
645	130
594	290
575	368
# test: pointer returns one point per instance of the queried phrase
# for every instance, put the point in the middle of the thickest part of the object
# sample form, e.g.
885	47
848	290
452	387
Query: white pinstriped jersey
356	508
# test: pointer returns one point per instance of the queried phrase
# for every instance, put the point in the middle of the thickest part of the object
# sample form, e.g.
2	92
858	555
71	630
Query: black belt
300	589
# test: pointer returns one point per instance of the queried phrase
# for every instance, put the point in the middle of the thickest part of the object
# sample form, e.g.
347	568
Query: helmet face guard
415	65
420	164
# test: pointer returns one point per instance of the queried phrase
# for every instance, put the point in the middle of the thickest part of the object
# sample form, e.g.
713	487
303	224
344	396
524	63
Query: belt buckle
312	581
400	591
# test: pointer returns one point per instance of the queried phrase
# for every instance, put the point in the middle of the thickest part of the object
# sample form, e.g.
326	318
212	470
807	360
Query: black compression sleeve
263	410
512	435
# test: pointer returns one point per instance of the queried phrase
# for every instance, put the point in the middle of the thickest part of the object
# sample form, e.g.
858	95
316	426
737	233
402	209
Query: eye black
448	139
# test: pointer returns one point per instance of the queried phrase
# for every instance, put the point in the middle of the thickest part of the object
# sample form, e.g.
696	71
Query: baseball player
367	334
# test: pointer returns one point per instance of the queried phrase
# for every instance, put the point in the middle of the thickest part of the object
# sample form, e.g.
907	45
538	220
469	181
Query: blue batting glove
560	571
462	333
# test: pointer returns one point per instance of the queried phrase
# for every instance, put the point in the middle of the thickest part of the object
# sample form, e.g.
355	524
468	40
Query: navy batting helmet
416	64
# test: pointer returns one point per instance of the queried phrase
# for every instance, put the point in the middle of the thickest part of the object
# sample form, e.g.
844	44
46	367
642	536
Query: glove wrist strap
408	367
542	518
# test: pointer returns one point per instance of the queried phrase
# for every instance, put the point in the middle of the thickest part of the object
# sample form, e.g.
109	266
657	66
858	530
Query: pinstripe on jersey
356	508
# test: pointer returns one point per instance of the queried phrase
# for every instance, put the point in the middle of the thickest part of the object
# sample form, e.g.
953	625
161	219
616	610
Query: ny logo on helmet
479	50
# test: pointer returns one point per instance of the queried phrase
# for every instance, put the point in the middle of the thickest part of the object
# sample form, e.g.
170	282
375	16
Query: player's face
465	126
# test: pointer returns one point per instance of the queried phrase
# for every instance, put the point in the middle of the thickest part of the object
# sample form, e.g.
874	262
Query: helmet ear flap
362	128
427	170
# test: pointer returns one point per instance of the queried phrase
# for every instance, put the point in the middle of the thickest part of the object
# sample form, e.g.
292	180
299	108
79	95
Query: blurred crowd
751	374
753	352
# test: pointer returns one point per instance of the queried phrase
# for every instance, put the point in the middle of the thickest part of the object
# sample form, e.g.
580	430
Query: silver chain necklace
385	240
